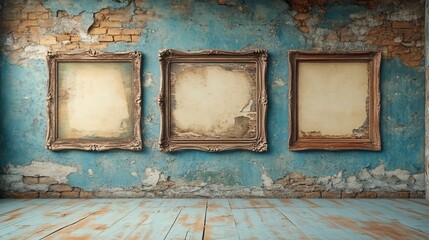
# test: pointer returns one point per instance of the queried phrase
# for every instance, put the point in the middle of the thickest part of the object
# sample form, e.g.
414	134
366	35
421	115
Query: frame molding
167	143
53	142
373	142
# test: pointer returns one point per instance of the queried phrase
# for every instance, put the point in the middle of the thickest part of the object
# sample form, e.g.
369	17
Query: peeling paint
232	25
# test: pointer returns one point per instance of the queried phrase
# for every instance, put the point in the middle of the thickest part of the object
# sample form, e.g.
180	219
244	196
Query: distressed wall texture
30	28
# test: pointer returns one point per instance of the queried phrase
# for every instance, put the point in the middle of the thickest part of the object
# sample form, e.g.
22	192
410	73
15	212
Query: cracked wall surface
30	28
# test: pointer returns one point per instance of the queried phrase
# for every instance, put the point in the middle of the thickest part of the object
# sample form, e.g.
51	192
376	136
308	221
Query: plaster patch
279	82
47	169
90	172
266	180
153	176
148	80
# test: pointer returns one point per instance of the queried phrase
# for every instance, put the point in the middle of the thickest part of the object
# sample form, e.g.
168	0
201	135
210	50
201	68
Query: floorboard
210	219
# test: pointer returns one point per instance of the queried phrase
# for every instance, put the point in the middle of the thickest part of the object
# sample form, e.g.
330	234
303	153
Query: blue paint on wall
206	25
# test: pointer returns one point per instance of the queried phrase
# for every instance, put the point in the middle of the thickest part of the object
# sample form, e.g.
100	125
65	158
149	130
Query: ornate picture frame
334	100
94	101
213	100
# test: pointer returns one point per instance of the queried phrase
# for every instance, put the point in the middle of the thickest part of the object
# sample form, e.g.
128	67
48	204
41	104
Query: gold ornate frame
170	59
129	64
364	137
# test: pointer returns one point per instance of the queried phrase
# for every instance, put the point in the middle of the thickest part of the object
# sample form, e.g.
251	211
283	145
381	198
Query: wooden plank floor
214	219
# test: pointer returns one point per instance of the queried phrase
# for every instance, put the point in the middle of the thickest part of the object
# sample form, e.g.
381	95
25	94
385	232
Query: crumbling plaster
230	25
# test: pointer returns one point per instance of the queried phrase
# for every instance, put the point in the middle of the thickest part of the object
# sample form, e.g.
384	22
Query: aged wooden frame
170	60
94	101
367	67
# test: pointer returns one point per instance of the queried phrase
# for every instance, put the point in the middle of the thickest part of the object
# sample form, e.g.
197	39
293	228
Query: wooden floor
214	219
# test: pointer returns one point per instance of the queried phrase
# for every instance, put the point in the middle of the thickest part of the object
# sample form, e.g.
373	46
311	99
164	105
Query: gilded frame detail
211	59
66	69
363	136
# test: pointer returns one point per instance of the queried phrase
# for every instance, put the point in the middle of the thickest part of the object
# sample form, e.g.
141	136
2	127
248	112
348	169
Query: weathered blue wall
208	25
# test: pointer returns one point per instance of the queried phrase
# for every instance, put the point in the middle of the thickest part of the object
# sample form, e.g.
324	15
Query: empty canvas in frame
213	100
334	100
94	101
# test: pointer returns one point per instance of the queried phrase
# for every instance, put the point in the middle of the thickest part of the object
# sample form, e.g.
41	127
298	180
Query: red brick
366	195
105	38
60	188
420	194
331	194
29	23
301	16
114	31
50	195
47	180
25	194
135	38
118	17
397	24
70	194
97	31
61	38
111	24
348	195
131	31
404	194
84	194
312	195
30	180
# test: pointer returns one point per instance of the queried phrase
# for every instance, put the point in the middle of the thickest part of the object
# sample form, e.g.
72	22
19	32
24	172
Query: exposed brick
419	194
131	31
313	195
47	40
50	195
45	23
61	38
111	24
135	38
47	180
304	29
366	195
104	11
301	16
30	180
105	38
387	195
348	195
397	24
97	31
84	194
32	15
125	38
404	194
70	194
72	46
60	188
331	194
296	176
74	38
25	194
44	16
114	31
118	17
29	23
140	18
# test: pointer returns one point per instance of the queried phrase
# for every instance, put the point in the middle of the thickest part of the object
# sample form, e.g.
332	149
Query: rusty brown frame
53	142
373	142
167	143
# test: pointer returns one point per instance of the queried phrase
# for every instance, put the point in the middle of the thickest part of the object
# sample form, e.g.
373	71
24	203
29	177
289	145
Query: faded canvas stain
213	101
94	100
333	99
